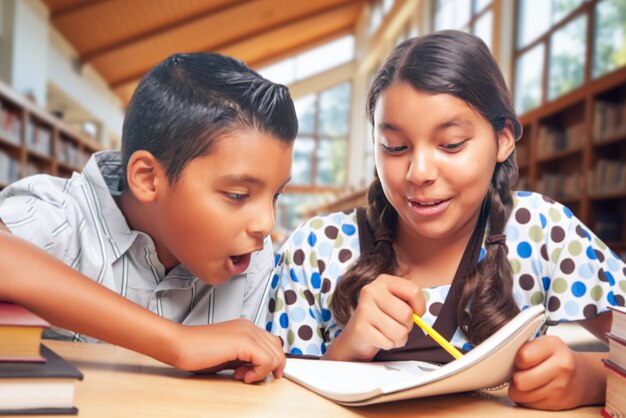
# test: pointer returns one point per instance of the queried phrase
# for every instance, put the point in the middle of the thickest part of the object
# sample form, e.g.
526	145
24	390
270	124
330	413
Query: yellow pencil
437	337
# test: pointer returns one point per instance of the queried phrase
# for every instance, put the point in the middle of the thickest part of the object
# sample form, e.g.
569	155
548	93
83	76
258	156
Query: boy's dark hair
459	64
188	100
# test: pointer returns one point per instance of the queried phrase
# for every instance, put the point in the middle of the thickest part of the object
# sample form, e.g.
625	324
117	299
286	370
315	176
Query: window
474	16
609	50
380	8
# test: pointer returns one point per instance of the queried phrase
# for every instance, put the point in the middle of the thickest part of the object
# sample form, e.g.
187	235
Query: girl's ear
145	176
506	142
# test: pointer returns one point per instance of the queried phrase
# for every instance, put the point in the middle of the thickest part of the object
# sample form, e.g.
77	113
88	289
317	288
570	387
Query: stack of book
33	379
616	362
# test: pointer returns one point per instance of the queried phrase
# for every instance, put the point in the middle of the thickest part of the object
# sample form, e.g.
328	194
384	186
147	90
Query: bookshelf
574	150
33	141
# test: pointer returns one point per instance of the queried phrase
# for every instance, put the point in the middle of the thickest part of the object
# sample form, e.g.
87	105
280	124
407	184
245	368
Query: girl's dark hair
459	64
188	100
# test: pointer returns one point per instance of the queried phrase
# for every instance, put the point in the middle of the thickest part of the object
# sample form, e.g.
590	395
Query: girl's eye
454	147
237	196
393	150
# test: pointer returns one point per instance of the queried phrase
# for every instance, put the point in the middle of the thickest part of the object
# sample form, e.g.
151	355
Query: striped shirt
77	221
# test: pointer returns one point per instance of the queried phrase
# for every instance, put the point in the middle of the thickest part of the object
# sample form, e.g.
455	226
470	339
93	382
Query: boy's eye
237	196
455	147
393	150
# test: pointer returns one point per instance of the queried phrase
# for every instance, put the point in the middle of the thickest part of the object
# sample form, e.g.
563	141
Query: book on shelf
615	405
20	333
38	388
488	365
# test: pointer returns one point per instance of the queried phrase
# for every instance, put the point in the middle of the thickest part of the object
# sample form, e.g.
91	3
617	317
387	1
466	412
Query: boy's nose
262	223
422	169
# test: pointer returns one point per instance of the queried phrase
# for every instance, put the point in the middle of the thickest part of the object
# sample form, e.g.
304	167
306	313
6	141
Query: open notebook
488	365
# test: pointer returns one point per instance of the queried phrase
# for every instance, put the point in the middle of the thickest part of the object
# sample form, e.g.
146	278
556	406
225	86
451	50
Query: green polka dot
317	299
622	285
537	298
313	259
287	257
319	332
339	241
596	293
279	304
554	214
291	337
575	247
515	265
559	285
426	295
599	243
535	233
556	254
317	224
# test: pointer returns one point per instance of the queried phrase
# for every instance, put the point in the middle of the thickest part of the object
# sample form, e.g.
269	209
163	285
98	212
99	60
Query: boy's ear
506	142
144	175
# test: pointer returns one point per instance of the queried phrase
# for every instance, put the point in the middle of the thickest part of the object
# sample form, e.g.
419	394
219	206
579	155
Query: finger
534	352
396	309
386	332
527	397
407	291
274	350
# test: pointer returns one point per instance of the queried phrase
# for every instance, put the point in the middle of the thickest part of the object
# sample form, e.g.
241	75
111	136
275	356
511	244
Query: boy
207	148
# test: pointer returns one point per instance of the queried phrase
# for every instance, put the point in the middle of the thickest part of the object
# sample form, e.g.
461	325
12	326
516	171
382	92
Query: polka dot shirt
556	261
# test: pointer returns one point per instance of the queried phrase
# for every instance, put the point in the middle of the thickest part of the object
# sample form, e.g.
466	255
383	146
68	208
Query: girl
444	236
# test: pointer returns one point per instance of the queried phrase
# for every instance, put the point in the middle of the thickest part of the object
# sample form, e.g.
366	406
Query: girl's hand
238	344
382	319
551	376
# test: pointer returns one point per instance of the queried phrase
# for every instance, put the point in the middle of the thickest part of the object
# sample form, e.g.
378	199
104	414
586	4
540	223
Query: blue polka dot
348	229
313	349
326	315
586	271
337	218
543	220
268	327
337	333
334	269
297	237
610	297
524	194
517	296
284	320
297	314
312	239
316	280
567	212
293	275
546	283
325	249
355	245
578	289
613	265
537	267
571	308
443	291
276	259
467	347
274	281
610	278
512	233
524	249
591	254
481	255
295	351
314	314
323	348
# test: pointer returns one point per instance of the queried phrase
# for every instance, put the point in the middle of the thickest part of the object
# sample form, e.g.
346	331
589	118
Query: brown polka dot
326	285
526	281
290	297
580	231
548	199
348	211
282	258
554	303
321	266
298	257
345	255
305	332
522	215
568	266
309	297
282	342
544	252
272	305
435	308
602	275
557	234
619	300
331	232
590	311
600	255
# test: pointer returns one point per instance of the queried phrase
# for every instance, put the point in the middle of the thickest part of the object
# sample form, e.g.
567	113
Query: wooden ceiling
123	39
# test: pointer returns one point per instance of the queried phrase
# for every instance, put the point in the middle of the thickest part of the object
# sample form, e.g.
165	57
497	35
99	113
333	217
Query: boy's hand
252	352
551	376
382	319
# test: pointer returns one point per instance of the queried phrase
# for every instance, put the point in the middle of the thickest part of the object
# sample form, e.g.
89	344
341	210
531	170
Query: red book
20	333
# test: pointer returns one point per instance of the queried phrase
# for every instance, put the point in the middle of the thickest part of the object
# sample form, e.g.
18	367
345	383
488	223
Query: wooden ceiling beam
249	37
89	56
64	11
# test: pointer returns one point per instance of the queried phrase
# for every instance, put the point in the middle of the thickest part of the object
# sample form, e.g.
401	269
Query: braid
490	286
382	218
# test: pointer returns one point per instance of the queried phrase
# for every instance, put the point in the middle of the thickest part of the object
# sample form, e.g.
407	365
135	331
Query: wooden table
121	383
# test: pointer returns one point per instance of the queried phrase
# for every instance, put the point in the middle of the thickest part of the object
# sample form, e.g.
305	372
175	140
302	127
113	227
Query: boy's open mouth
239	263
